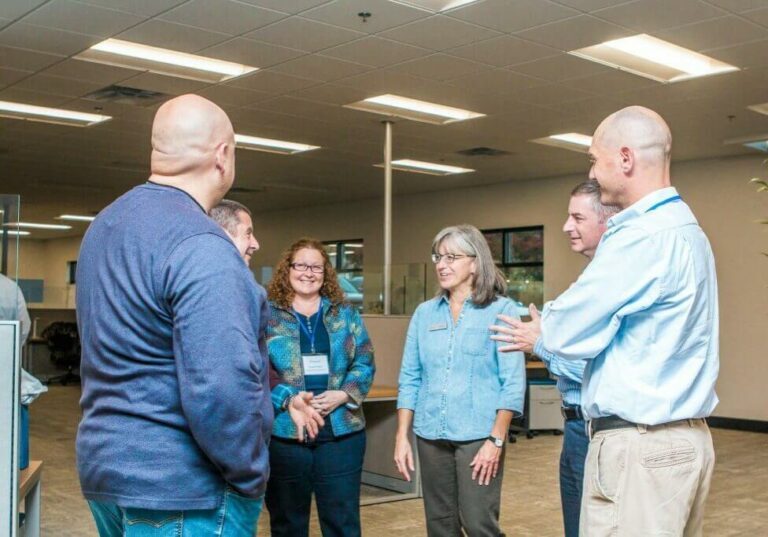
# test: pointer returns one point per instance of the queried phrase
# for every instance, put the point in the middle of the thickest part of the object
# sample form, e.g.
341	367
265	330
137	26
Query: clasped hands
520	336
307	411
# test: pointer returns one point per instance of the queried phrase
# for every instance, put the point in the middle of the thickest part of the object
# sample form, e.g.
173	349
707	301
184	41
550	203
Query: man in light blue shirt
644	314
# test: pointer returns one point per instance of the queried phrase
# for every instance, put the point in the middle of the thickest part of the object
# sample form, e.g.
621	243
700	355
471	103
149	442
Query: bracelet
287	401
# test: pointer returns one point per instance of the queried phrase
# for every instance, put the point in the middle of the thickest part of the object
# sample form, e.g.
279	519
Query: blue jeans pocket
152	523
241	514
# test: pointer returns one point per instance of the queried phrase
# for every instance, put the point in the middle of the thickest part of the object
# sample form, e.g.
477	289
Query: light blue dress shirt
644	313
569	373
452	375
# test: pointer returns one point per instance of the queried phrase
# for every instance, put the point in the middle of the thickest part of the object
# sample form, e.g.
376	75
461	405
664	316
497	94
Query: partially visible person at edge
176	410
584	227
458	391
320	351
644	313
235	219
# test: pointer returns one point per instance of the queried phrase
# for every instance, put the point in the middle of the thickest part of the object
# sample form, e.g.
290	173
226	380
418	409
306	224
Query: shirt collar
642	205
158	185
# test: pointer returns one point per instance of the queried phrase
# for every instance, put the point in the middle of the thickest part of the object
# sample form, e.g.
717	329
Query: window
347	258
519	253
71	272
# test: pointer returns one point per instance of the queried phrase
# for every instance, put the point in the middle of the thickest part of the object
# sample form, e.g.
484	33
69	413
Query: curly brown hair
279	289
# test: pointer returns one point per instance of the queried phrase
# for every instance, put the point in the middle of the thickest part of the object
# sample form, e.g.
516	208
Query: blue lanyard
664	202
310	332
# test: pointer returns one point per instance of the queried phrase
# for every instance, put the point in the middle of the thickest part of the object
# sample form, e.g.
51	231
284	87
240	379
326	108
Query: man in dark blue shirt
176	407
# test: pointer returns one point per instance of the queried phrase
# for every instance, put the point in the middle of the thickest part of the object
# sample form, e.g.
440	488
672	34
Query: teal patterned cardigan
351	365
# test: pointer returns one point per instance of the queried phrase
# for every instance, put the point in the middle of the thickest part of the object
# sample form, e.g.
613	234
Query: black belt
571	413
607	423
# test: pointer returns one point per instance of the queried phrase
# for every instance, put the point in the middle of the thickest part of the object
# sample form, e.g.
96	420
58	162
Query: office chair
64	345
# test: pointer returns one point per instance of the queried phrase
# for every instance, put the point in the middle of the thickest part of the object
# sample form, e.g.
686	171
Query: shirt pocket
475	341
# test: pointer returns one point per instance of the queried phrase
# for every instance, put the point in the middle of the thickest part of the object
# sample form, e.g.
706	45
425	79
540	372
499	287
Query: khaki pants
647	481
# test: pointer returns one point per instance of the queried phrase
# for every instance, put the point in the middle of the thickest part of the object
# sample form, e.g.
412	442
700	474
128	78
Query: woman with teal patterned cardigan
322	357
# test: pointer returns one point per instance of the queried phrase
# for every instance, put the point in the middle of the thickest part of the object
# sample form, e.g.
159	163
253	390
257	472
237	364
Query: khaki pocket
610	465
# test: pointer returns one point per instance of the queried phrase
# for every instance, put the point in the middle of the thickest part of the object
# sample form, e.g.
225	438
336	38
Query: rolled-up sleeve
511	367
409	382
217	308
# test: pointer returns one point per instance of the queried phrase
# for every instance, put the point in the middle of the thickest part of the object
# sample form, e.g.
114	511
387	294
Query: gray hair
591	188
488	281
225	214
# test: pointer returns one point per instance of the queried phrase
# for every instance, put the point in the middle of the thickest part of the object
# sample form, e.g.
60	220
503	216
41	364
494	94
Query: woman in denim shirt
320	353
459	392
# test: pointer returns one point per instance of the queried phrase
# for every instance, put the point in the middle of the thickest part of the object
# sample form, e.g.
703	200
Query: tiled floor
738	503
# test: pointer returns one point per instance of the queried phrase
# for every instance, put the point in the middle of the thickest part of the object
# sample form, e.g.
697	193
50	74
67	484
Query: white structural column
388	218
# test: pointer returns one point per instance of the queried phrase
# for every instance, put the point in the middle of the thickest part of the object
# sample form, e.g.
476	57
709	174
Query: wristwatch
287	401
498	442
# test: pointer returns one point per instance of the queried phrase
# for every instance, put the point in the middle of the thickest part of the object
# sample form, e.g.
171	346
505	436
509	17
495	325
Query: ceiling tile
612	82
331	94
752	54
320	68
173	36
589	5
19	95
287	6
164	84
13	9
17	58
760	16
304	34
226	16
58	85
737	6
559	68
11	76
381	81
552	95
46	39
496	81
440	33
655	15
505	16
271	82
376	52
82	18
439	67
250	52
716	33
502	51
344	13
229	96
575	33
91	72
144	8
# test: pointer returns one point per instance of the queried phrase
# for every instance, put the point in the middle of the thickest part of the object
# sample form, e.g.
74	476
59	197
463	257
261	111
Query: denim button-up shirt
452	375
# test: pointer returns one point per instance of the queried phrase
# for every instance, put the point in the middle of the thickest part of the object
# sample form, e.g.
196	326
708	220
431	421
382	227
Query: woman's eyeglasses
303	267
449	258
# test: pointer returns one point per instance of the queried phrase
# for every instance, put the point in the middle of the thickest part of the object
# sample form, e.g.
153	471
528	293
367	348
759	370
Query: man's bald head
193	147
630	155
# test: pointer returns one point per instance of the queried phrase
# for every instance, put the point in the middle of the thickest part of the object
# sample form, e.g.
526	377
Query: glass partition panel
9	256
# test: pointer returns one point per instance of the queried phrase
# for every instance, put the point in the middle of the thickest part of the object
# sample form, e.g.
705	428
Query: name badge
438	326
315	364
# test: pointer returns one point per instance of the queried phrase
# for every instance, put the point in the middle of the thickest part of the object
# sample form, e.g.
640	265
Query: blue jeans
235	517
572	458
329	469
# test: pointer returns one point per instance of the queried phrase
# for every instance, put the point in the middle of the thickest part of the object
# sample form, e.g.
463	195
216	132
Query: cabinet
544	402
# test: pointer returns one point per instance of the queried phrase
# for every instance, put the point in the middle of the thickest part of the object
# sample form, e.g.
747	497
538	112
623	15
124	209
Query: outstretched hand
520	336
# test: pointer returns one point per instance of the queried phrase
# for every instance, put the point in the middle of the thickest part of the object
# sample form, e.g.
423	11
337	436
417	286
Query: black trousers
331	470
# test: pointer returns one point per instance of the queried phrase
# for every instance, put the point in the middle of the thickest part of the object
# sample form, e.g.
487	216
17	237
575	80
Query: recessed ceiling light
32	225
394	105
271	146
44	114
163	61
76	218
761	145
435	6
653	58
569	140
754	141
759	108
352	245
17	233
429	168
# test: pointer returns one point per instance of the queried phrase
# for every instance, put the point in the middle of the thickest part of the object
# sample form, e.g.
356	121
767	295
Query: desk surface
29	477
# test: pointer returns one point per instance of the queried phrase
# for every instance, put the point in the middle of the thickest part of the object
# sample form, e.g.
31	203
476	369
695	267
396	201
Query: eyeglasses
449	258
303	267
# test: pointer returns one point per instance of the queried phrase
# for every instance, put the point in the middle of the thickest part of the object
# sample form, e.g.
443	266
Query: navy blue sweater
176	401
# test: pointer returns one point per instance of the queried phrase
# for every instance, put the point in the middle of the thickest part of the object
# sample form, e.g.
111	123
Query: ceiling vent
125	95
483	152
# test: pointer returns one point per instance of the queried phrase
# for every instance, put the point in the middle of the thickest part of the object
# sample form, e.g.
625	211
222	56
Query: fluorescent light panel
395	105
163	61
32	225
429	168
44	114
76	218
573	141
754	141
17	233
271	146
435	6
759	108
653	58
